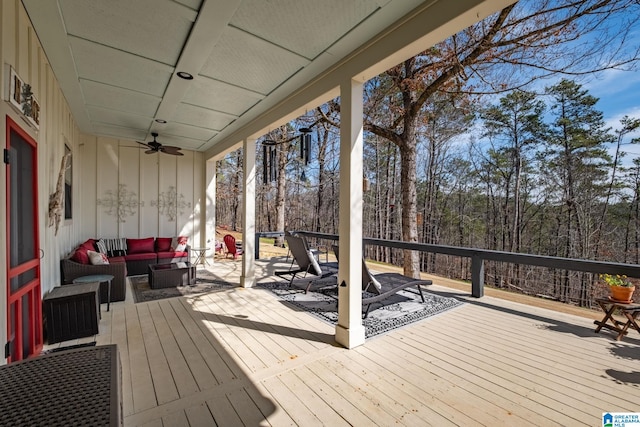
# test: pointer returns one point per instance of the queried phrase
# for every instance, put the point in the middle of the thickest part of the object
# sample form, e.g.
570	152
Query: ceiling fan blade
150	151
169	149
173	153
145	144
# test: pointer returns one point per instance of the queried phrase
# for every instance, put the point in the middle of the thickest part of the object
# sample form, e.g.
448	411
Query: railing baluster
265	234
477	276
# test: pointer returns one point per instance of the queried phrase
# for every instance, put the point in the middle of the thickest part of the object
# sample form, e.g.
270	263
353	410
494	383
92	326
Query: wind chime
269	170
270	159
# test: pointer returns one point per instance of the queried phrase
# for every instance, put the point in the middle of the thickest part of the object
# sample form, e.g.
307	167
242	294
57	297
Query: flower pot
622	293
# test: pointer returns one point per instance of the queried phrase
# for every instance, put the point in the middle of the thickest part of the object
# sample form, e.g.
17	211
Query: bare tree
541	38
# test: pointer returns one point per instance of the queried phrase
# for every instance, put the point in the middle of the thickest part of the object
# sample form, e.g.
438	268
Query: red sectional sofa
132	261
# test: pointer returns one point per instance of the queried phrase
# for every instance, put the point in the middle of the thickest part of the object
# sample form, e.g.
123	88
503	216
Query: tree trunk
280	191
237	179
411	263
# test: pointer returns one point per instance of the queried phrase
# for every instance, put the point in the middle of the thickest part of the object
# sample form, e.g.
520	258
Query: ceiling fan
155	147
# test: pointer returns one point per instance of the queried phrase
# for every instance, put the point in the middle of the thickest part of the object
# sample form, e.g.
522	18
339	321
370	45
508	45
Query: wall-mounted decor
57	199
170	203
121	203
68	183
21	97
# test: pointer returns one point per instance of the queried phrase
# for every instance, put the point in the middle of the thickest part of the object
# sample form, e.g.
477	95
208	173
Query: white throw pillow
314	263
179	244
375	283
97	258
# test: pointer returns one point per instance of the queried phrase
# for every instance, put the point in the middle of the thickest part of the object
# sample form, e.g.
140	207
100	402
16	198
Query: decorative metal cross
170	203
122	203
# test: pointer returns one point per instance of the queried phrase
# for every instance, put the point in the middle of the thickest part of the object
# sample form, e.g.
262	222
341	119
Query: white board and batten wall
128	193
99	164
20	50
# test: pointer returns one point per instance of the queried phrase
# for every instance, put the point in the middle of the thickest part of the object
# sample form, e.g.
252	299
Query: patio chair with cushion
316	251
382	286
307	265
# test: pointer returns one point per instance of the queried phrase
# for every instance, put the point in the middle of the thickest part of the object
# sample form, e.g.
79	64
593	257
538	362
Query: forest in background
463	148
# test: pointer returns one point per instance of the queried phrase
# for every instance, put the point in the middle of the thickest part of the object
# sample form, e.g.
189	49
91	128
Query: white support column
349	330
248	277
209	206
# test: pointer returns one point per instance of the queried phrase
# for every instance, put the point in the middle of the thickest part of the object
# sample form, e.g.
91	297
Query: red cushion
140	257
140	246
90	244
163	244
171	254
116	259
81	256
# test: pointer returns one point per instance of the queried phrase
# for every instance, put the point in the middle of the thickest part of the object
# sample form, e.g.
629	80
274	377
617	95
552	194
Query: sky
619	95
618	91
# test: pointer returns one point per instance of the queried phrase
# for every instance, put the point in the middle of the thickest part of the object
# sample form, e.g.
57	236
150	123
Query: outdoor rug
403	308
205	283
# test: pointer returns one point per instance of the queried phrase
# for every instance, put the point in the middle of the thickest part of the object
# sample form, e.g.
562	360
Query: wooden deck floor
242	357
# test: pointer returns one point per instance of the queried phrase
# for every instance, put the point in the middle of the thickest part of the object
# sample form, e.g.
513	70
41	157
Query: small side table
101	278
629	310
201	257
72	311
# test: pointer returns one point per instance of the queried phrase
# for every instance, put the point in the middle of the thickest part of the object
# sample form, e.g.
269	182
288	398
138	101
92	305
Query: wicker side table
72	311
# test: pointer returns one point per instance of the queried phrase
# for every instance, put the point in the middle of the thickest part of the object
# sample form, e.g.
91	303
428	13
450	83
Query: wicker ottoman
78	387
171	275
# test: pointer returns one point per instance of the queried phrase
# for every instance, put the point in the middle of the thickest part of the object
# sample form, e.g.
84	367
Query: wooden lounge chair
308	269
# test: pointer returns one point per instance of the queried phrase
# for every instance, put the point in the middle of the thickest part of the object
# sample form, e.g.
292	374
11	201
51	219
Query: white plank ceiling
116	60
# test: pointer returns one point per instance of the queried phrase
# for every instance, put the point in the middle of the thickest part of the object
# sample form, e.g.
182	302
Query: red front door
24	308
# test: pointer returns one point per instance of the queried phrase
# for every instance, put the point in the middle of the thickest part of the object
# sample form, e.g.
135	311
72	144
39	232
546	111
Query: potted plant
620	286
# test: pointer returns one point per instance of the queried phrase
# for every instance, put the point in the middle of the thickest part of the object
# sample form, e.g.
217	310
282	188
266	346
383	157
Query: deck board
350	392
178	365
144	396
242	345
291	403
243	357
401	377
179	322
343	407
248	411
558	375
309	397
458	395
209	353
199	416
479	383
274	415
164	386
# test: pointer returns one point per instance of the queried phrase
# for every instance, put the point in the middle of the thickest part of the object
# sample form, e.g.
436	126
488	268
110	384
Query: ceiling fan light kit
155	147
